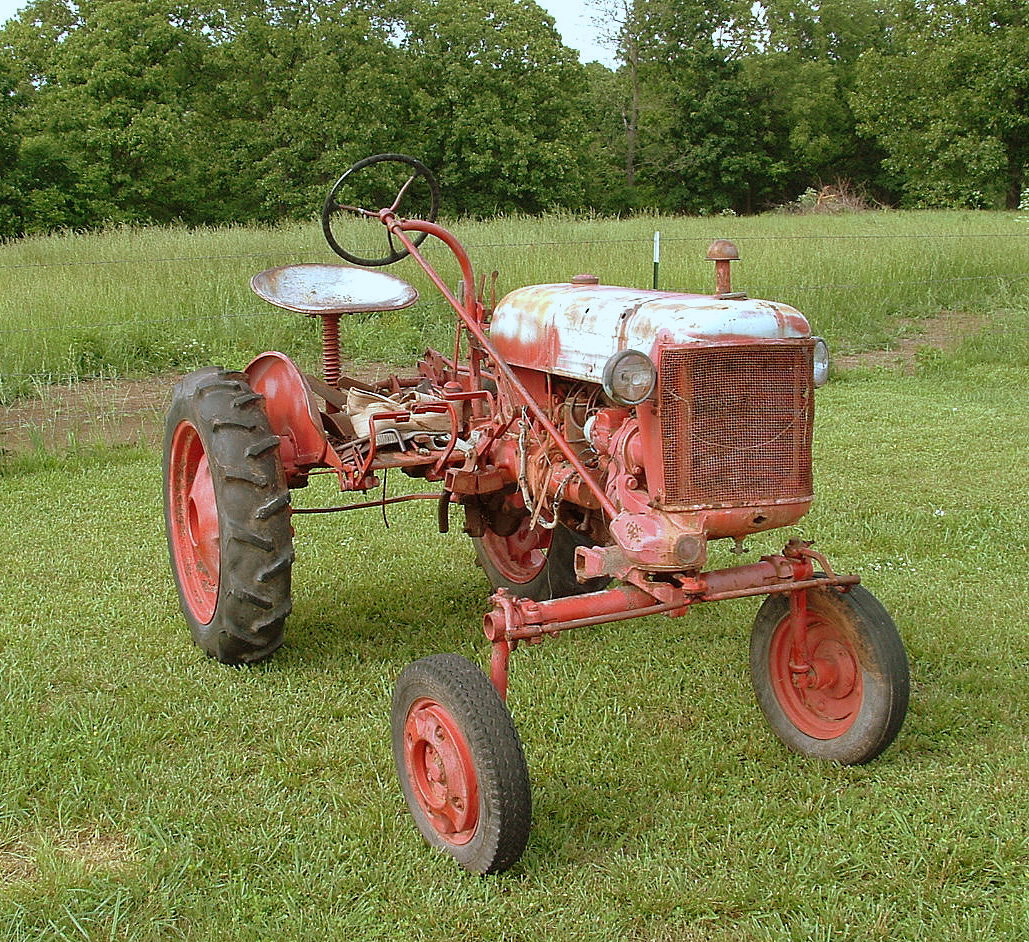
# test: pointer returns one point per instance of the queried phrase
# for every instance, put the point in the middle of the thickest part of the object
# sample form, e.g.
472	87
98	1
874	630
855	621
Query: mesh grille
736	423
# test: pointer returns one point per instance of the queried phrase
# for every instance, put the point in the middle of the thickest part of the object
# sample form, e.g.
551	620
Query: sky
574	23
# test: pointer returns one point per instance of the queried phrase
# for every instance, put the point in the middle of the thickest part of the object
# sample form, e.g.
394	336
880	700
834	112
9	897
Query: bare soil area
112	411
90	850
116	411
943	332
131	411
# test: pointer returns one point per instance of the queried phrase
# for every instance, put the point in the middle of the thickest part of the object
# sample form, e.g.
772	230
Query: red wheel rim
441	771
520	557
821	692
193	522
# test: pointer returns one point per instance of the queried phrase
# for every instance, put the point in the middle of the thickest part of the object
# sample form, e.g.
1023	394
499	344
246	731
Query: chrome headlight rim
820	362
613	378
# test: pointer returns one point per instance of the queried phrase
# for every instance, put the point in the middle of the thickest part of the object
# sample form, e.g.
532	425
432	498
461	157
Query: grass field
130	301
147	793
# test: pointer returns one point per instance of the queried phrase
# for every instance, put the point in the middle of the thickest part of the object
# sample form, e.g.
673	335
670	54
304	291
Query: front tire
460	763
226	508
846	696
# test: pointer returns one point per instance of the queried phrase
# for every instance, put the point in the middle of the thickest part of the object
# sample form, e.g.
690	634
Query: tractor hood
572	329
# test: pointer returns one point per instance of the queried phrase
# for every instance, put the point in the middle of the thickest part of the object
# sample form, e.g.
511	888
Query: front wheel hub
821	695
441	770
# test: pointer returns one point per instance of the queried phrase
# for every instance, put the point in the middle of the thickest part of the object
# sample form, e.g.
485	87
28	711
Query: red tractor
596	438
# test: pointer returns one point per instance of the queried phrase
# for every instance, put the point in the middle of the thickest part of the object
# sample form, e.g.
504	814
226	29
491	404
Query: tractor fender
292	410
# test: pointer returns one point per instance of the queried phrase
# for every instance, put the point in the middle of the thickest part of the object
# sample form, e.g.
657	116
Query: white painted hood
572	330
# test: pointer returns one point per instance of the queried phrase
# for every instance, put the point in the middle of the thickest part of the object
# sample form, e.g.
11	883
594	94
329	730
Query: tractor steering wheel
388	181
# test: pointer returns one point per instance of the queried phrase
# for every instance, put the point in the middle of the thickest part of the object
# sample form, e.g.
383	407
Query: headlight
821	362
629	377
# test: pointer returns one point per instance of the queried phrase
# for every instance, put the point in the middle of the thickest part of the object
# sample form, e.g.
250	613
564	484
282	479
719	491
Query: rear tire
536	564
460	763
226	507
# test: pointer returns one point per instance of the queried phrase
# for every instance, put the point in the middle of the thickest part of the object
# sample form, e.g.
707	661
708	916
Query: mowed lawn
148	793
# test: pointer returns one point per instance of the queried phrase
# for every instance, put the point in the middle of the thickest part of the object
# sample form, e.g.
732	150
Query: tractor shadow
389	611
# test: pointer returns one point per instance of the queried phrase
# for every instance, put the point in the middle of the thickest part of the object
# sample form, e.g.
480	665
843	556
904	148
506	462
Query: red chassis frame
296	419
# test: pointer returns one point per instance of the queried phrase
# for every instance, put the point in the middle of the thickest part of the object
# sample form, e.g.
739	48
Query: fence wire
767	289
883	236
43	378
138	318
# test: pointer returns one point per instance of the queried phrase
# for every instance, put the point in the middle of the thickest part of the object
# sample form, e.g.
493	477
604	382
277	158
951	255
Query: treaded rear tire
227	517
555	579
453	737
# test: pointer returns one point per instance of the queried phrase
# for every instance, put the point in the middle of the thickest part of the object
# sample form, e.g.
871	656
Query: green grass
133	301
149	793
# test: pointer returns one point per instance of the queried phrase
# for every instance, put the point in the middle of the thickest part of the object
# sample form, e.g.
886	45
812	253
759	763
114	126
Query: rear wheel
460	763
842	696
227	517
534	562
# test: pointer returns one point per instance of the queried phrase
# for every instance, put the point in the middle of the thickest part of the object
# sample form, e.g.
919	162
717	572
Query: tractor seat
332	289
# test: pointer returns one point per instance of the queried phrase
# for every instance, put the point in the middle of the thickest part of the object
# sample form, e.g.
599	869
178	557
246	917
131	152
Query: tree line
126	111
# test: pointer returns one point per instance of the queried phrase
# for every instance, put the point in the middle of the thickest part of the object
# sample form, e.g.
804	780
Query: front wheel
460	763
844	696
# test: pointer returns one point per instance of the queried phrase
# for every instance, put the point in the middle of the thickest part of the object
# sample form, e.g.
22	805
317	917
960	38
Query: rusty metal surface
722	250
521	619
332	289
736	424
723	253
482	345
572	330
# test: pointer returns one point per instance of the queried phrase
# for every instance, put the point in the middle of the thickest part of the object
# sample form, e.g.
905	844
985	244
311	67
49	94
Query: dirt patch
90	850
95	851
17	864
943	332
119	412
112	411
131	411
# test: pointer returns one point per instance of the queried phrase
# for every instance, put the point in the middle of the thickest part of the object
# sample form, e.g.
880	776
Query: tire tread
885	665
256	542
498	755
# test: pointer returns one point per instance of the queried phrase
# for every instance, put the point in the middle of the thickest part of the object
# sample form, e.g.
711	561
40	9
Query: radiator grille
736	424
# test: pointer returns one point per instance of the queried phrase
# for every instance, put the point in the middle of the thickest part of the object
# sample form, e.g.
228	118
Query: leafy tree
300	91
34	182
696	132
102	138
610	108
10	202
823	30
803	65
495	104
950	104
246	110
731	104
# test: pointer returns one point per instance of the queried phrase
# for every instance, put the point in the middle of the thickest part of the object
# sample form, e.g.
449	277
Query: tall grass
132	301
